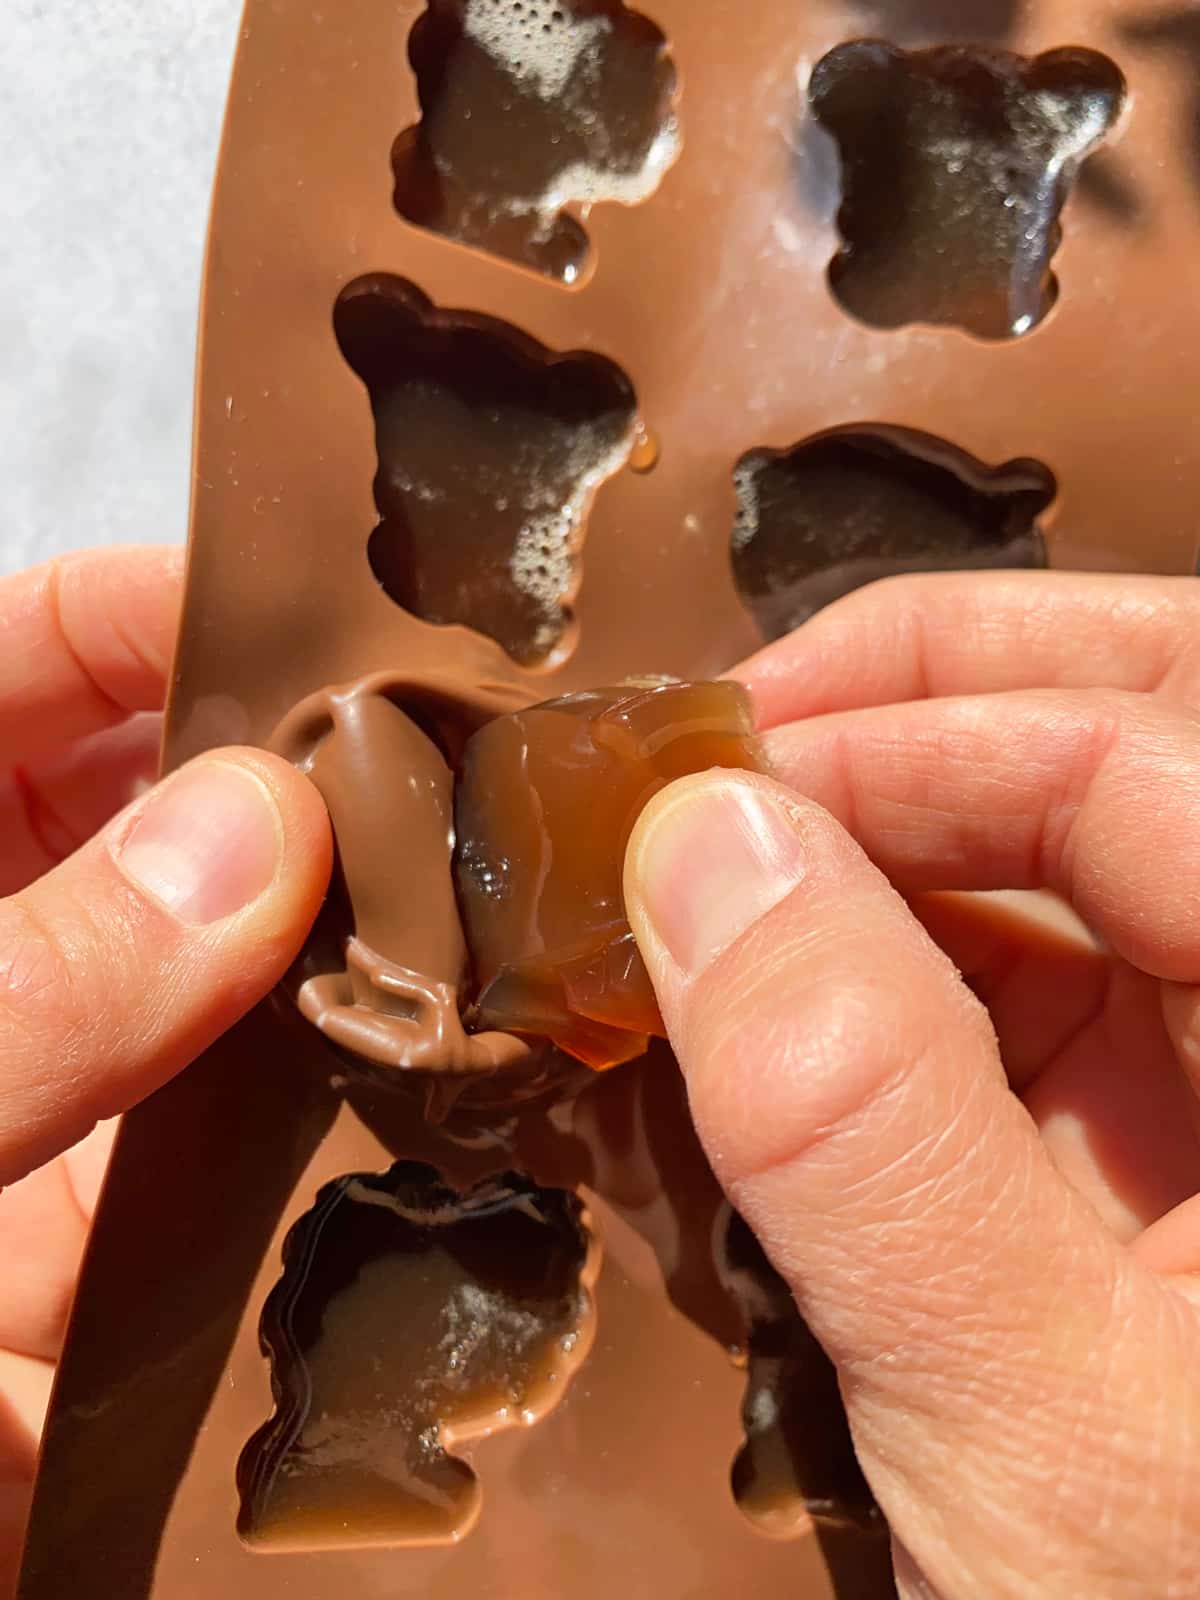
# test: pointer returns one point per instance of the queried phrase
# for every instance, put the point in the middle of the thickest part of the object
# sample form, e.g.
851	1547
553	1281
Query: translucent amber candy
545	805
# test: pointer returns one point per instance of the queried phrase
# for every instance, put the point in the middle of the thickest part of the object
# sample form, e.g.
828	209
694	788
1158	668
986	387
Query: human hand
990	1217
123	952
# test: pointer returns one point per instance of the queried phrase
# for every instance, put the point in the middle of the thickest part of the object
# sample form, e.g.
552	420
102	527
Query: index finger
1092	793
87	640
923	638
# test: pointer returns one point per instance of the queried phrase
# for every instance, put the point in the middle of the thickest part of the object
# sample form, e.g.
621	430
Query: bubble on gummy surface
534	39
556	105
491	450
409	1318
854	505
956	163
543	558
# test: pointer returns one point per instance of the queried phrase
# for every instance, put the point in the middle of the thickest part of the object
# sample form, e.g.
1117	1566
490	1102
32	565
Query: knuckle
48	980
805	1037
35	969
1071	1451
792	1061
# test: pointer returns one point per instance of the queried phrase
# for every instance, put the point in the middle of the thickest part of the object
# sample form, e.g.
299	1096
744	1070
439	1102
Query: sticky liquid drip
645	453
791	1415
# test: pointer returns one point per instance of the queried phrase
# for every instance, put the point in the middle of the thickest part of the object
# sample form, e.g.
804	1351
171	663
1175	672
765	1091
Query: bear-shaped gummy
956	163
529	106
409	1320
490	451
853	505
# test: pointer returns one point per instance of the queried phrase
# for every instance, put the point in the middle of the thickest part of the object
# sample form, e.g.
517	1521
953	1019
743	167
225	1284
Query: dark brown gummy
529	106
544	808
490	450
956	163
855	505
409	1321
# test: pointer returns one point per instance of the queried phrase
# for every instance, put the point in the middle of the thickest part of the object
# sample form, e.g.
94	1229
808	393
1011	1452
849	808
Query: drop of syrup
644	455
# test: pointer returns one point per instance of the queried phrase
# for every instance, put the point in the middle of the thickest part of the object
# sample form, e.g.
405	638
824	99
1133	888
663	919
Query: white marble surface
110	111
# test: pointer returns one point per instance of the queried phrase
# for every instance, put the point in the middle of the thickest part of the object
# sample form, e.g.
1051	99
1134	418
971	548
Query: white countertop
110	111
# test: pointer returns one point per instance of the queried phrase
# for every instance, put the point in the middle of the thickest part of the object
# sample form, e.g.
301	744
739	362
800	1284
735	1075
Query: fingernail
710	861
207	843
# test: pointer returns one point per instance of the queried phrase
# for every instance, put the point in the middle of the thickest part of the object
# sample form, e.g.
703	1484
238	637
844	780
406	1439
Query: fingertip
307	859
304	819
710	855
769	677
232	853
271	871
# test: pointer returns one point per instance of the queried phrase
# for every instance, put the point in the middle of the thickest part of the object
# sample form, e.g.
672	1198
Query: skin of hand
966	1135
137	922
1003	1260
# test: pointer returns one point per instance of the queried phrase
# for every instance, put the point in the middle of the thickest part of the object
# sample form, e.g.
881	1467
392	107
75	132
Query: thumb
120	965
849	1092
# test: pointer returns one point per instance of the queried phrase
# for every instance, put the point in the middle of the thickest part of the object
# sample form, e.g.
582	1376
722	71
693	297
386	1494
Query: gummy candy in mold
956	164
529	107
410	1320
491	449
856	504
545	805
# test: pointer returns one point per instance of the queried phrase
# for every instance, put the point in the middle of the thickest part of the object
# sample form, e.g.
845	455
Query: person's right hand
990	1217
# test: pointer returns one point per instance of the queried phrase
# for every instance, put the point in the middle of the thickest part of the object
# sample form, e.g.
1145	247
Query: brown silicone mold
524	371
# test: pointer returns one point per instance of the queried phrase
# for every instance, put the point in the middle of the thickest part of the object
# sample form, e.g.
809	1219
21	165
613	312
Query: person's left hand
136	924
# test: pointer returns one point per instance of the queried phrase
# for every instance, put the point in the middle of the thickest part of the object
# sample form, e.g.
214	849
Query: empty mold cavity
408	1321
490	451
797	1465
846	507
527	107
956	163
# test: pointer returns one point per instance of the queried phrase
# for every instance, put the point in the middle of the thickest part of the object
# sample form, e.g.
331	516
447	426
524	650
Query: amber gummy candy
544	809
